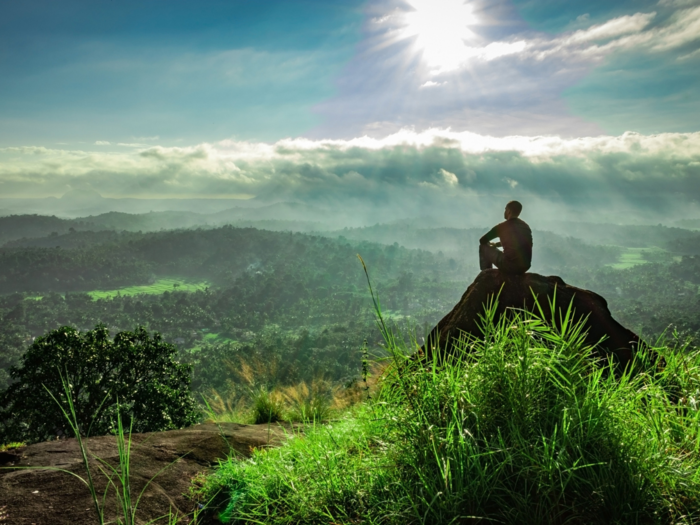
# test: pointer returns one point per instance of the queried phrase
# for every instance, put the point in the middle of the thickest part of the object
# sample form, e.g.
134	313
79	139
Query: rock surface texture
518	291
46	497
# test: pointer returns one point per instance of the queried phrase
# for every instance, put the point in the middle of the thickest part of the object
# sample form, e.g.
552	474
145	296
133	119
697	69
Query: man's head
513	209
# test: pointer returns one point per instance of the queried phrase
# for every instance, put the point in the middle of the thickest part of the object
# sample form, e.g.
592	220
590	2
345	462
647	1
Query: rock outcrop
519	291
50	497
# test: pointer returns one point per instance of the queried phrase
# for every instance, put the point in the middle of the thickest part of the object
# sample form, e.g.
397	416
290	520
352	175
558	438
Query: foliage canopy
134	373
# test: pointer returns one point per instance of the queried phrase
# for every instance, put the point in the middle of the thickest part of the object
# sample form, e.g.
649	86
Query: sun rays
440	28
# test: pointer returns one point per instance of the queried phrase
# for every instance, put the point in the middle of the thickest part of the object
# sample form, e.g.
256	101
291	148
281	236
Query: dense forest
89	261
273	292
301	299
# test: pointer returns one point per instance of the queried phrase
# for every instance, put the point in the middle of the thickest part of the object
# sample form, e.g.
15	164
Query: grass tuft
11	446
267	406
257	396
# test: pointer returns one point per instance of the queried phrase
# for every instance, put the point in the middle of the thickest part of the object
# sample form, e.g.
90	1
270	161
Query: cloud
614	28
449	178
599	40
648	175
691	55
132	144
677	3
431	83
684	29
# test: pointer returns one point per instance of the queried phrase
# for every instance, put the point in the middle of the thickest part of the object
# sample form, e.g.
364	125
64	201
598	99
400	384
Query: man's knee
488	256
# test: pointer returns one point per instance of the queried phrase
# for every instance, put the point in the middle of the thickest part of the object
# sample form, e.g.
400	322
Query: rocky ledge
48	497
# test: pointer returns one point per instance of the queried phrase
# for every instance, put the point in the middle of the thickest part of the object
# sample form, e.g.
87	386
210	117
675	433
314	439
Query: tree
12	344
134	373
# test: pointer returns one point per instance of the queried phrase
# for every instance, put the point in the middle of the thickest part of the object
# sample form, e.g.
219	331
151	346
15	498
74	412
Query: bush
522	426
267	406
134	371
310	402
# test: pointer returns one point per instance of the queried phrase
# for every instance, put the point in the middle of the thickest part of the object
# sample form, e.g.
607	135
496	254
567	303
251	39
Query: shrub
134	371
309	402
222	408
267	406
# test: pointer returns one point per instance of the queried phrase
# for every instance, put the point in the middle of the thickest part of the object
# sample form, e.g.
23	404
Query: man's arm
488	237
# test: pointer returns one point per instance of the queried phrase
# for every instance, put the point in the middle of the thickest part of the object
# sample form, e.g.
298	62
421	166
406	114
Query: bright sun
440	28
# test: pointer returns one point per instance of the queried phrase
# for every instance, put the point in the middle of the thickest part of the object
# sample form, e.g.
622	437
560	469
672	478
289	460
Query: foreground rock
54	498
518	291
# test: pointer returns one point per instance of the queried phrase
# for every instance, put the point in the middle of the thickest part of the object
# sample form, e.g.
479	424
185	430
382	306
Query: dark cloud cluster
440	172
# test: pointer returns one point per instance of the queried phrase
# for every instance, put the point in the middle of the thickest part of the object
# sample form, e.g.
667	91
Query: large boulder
520	291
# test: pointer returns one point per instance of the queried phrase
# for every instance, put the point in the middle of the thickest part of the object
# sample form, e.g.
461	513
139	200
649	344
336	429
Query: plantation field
212	338
635	256
215	338
157	288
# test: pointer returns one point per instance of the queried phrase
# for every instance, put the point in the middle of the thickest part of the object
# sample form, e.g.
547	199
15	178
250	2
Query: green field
211	338
216	338
634	256
157	288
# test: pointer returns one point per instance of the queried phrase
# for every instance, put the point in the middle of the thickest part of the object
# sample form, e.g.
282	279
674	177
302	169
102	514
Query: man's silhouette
516	239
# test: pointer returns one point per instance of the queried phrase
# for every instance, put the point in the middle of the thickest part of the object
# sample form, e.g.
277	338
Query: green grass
634	256
118	477
211	338
11	446
629	258
215	338
521	426
157	288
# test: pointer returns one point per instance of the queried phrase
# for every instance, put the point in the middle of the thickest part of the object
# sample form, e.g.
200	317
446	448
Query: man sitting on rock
516	240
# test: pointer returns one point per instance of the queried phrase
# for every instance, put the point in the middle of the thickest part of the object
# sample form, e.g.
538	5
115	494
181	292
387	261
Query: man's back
516	238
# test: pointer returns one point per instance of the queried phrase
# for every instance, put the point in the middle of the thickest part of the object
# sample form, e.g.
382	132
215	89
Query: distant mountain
690	224
284	216
79	203
70	207
31	226
280	211
633	236
82	195
162	220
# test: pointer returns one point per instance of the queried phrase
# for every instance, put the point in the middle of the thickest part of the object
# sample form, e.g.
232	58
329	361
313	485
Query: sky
585	106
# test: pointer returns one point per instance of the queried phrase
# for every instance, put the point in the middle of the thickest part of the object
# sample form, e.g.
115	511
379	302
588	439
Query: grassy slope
524	428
